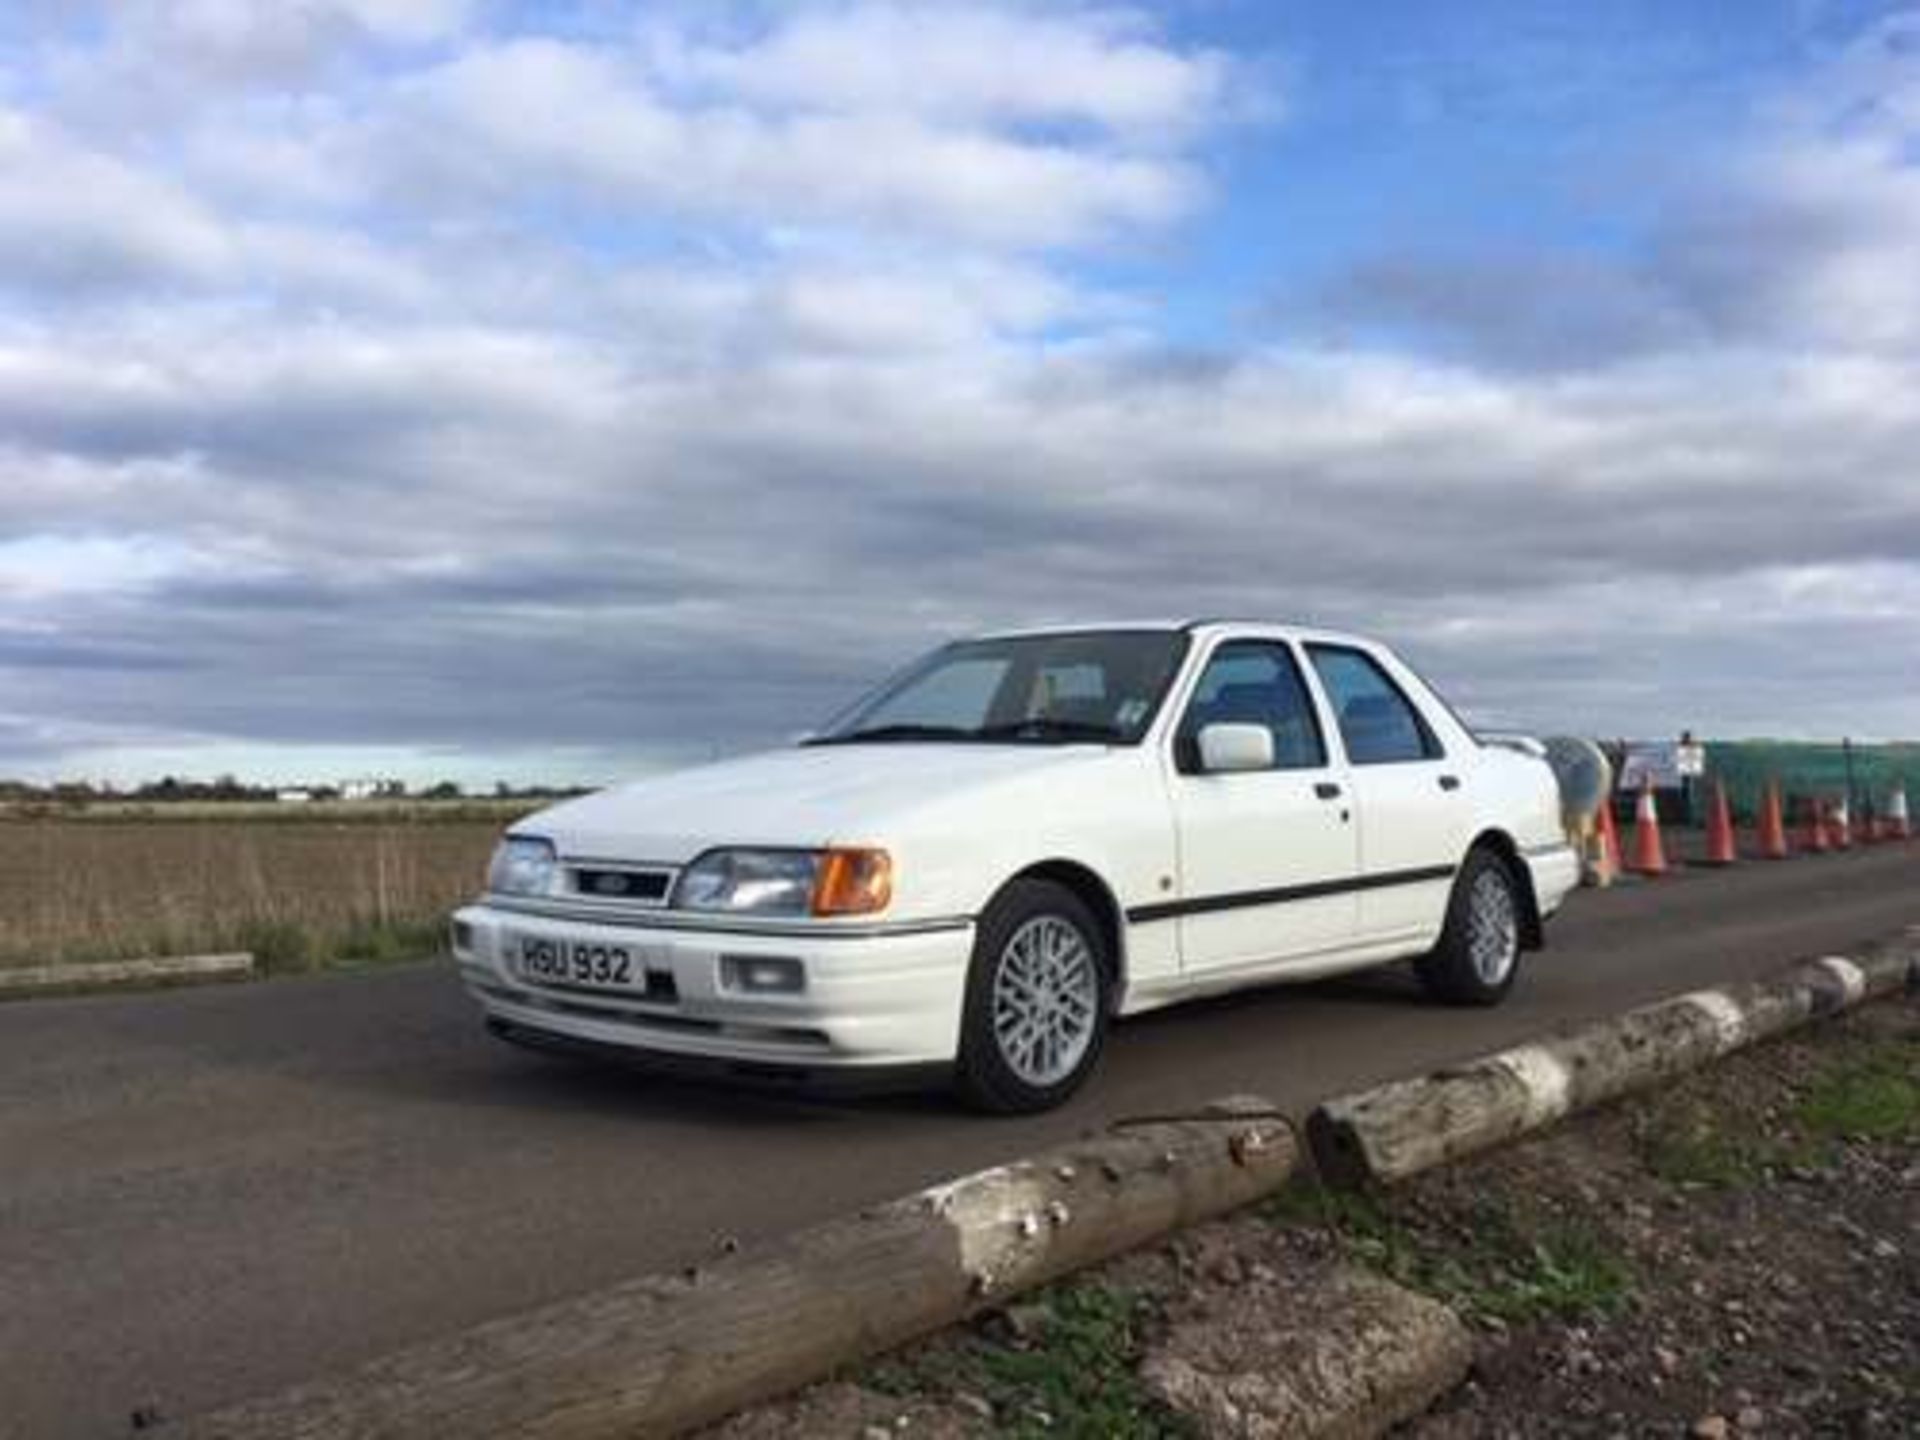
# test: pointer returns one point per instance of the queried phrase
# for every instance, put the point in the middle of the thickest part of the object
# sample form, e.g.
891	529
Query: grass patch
283	948
1690	1147
278	946
1867	1092
1569	1272
1073	1374
1873	1095
1497	1264
396	940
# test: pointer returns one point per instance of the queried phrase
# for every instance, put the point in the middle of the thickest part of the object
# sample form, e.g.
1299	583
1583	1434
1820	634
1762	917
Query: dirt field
1736	1256
296	892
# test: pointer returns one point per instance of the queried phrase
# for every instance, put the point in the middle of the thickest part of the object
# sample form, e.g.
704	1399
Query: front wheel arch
986	1075
1093	892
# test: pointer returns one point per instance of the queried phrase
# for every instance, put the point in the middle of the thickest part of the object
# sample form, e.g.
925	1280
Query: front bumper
880	998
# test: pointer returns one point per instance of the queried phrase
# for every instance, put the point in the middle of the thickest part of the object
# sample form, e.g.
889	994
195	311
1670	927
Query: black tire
1449	970
984	1075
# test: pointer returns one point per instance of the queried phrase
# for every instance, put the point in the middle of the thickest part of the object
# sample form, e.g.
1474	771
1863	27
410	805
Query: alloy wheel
1493	927
1044	993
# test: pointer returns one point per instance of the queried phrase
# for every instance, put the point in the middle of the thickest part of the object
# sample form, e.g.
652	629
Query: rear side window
1254	682
1377	722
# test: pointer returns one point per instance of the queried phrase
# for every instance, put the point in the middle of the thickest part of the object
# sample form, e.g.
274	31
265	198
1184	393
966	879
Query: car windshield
1098	687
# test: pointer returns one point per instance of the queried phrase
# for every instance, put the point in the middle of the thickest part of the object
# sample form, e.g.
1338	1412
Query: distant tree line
171	789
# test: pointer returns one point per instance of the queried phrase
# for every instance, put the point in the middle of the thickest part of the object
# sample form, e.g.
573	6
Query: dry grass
297	893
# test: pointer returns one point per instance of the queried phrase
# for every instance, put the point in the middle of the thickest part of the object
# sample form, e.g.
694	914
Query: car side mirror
1227	748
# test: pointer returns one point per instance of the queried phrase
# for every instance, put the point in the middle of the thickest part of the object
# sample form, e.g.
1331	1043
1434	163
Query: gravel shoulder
1737	1254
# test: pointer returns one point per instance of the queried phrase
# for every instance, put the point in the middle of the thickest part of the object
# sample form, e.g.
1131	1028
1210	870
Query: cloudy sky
446	387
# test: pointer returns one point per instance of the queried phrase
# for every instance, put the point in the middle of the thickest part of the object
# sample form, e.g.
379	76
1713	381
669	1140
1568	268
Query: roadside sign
1690	759
1655	762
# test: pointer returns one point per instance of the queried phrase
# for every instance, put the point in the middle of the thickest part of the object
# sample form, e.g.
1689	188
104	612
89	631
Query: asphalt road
205	1194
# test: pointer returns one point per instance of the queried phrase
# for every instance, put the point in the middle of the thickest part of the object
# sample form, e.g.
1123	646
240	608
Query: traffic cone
1649	855
1816	828
1721	848
1603	856
1842	826
1898	826
1610	840
1773	832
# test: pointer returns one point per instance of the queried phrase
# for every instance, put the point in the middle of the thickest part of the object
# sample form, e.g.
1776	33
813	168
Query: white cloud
73	218
233	144
44	568
1818	246
557	119
163	46
975	63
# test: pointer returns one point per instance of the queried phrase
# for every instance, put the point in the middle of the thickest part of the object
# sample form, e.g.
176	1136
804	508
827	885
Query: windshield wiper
1044	727
1040	728
898	732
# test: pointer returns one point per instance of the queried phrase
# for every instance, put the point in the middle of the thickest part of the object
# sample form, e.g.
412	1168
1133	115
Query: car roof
1210	627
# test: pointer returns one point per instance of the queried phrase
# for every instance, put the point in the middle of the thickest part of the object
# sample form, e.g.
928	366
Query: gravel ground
1766	1216
1737	1255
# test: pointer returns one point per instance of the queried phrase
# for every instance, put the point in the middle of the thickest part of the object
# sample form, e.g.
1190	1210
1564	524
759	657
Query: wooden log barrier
1406	1126
657	1355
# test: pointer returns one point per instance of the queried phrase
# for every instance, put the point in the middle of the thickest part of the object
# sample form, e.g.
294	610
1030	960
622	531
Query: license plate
578	962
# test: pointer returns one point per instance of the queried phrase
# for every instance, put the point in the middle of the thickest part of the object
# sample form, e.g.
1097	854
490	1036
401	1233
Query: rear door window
1378	724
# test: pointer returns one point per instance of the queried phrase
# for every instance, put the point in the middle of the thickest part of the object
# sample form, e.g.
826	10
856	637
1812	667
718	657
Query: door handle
1327	790
1449	782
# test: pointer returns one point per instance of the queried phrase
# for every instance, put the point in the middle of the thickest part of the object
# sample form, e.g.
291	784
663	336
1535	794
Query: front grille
639	885
660	989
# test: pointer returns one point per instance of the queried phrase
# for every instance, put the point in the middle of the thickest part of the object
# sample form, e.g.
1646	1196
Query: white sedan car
1016	840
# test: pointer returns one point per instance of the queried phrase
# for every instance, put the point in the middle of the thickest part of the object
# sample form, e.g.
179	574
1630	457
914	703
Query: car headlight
787	882
522	865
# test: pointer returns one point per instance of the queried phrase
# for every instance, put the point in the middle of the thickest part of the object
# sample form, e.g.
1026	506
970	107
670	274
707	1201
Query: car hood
807	796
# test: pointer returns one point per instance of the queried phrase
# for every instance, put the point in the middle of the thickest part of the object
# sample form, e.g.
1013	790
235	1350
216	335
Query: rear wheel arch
1499	843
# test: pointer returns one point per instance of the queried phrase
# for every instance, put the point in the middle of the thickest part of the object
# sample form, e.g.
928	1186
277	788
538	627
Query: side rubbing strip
1285	894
